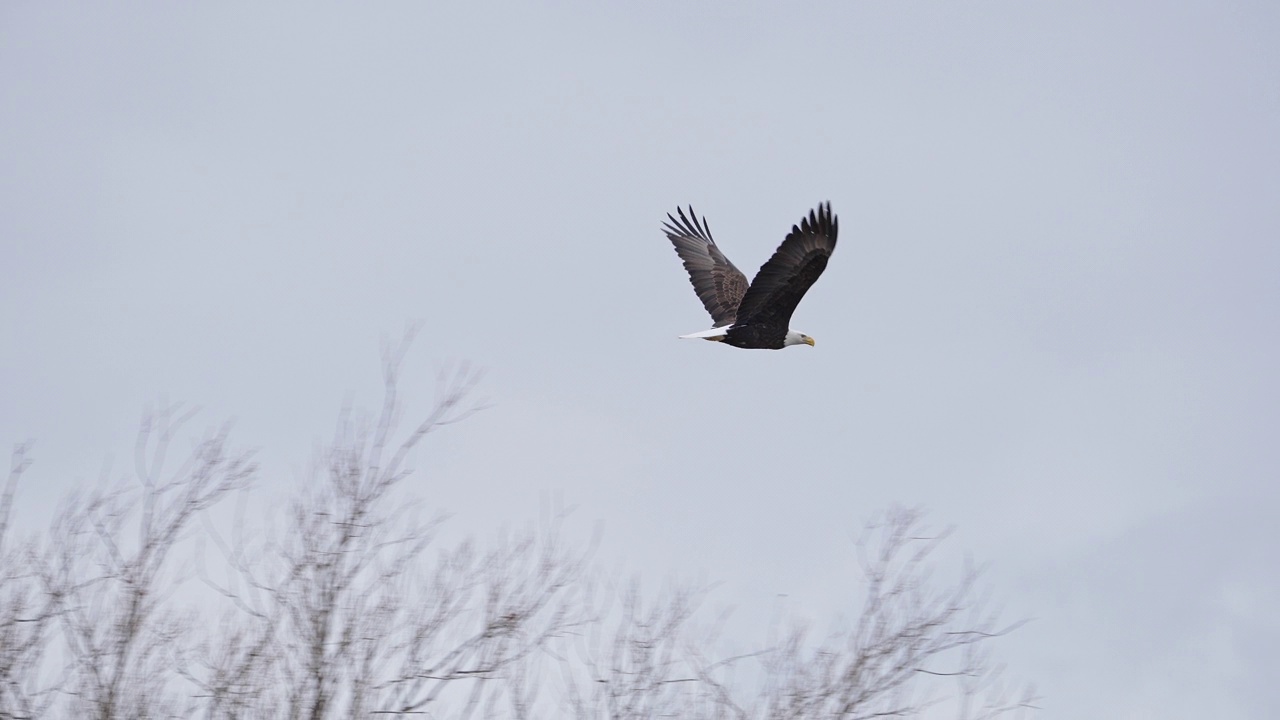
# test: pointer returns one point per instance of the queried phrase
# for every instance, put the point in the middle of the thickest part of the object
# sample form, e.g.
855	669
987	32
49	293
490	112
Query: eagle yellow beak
808	341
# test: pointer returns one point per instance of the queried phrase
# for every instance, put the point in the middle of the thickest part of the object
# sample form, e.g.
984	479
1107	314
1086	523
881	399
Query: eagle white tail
712	334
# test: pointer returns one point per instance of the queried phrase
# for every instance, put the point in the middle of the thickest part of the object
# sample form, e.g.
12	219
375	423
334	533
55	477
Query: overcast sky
1051	318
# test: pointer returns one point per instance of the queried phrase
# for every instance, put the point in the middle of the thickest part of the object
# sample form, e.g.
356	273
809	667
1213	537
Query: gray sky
1051	318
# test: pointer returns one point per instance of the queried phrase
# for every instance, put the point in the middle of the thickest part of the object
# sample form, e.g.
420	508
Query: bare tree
912	636
349	605
346	615
911	630
106	570
634	661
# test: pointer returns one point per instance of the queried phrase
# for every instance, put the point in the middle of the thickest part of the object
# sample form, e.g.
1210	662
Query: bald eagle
755	315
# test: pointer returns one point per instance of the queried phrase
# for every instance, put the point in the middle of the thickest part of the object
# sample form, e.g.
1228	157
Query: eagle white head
797	338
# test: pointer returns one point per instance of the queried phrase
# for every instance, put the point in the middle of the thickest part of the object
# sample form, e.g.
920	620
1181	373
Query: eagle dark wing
786	277
720	285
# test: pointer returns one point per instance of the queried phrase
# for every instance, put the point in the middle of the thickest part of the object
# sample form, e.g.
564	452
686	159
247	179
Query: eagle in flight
755	315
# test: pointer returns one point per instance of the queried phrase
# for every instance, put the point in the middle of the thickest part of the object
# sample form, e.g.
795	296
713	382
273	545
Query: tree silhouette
351	606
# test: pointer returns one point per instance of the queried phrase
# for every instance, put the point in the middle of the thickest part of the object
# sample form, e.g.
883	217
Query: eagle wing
720	285
786	277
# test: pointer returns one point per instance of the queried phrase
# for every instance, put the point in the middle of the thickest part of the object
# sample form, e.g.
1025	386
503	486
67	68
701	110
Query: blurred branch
25	614
110	590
